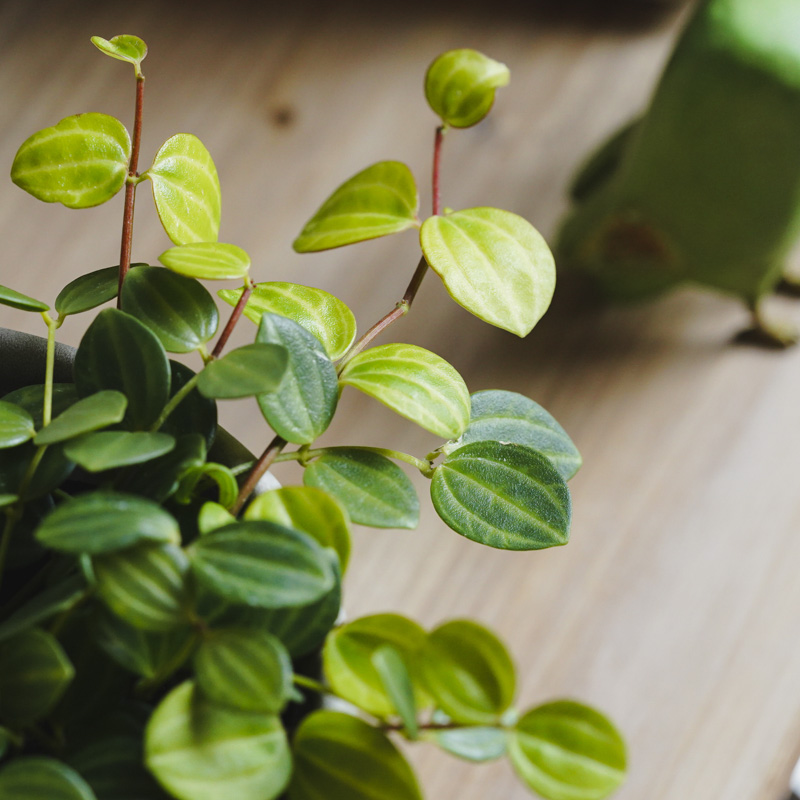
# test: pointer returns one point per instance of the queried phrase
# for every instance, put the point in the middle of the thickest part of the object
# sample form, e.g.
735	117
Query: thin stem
437	165
261	466
47	410
234	318
175	401
310	683
305	455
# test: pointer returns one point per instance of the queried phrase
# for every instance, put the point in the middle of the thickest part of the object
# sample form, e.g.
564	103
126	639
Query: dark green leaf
396	681
90	414
89	291
97	452
211	261
16	425
53	469
8	297
8	499
42	606
472	744
195	413
31	398
244	372
39	778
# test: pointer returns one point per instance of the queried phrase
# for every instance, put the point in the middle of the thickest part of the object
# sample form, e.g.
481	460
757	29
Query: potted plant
155	607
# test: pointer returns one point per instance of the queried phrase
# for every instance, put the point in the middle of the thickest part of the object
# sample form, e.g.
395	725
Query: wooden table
676	606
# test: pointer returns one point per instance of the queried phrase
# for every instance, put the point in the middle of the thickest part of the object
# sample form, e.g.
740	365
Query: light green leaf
97	452
379	200
89	291
39	778
460	86
505	496
186	190
103	521
80	162
93	412
207	260
472	743
42	606
8	499
179	310
244	372
567	751
213	516
351	670
202	751
319	312
512	418
373	490
245	669
125	48
8	297
396	680
262	564
218	473
16	425
415	383
494	264
468	672
309	510
340	756
302	406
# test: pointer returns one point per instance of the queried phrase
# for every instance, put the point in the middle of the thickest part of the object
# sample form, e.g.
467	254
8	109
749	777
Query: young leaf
80	162
16	425
512	418
460	86
413	382
44	605
302	406
199	750
125	48
218	473
337	756
89	291
93	412
179	310
396	681
567	751
8	297
244	372
40	778
504	496
210	261
373	490
186	190
319	312
213	516
380	200
97	452
494	264
472	743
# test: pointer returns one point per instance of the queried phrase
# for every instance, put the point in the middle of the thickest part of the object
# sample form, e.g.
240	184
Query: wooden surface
676	606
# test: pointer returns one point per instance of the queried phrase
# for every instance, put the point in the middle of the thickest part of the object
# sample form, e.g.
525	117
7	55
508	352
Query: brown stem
261	466
234	318
437	163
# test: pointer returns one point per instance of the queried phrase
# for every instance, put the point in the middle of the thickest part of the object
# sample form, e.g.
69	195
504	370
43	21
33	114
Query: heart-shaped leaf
44	605
413	382
373	490
379	200
97	452
505	496
93	412
567	751
319	312
89	291
39	778
210	261
186	190
80	162
8	297
125	48
16	425
472	743
244	372
494	264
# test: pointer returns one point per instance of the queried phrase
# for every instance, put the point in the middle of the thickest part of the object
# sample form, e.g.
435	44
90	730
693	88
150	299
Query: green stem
47	411
310	683
175	401
303	455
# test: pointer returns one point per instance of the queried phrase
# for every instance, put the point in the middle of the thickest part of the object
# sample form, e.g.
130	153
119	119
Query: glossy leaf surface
96	452
9	297
93	412
473	743
494	264
80	162
89	291
40	778
505	496
125	48
379	200
210	261
244	372
16	425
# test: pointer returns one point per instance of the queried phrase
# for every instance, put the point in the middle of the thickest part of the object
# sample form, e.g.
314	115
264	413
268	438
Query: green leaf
97	452
245	669
5	741
195	414
309	510
337	756
186	190
80	162
125	48
303	405
89	291
494	264
103	521
348	660
178	310
53	469
380	200
34	673
460	86
567	751
47	603
244	372
39	778
262	564
218	473
207	260
413	382
472	744
118	352
16	425
93	412
8	499
31	398
504	496
213	516
512	418
319	312
8	297
202	751
468	672
145	585
373	489
396	681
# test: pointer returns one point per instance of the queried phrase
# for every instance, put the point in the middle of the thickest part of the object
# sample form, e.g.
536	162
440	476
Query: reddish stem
261	466
437	163
234	318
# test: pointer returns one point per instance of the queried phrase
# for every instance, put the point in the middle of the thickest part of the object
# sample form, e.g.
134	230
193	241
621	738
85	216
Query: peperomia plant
156	606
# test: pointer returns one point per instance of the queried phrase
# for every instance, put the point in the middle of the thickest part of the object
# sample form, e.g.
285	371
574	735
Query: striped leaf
44	605
199	750
244	372
186	190
8	297
80	162
16	425
40	778
494	264
210	261
125	48
97	452
319	312
473	743
89	291
380	200
413	382
505	496
93	412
